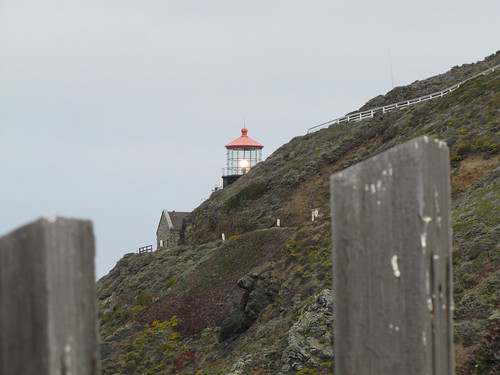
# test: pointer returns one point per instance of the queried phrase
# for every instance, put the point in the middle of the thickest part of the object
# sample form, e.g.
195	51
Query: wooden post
392	267
48	310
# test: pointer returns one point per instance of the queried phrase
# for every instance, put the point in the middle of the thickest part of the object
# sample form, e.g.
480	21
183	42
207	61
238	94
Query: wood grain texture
48	313
392	263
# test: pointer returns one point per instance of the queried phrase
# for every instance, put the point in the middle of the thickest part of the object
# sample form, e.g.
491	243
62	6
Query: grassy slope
192	281
476	265
294	179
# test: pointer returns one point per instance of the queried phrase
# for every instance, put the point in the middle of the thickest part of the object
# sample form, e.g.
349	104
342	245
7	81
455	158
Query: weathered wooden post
392	266
48	313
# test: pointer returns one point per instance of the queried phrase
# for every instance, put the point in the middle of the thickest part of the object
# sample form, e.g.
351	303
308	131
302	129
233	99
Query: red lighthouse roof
244	141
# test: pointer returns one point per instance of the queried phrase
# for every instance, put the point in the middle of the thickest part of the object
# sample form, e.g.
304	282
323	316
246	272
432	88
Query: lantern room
242	154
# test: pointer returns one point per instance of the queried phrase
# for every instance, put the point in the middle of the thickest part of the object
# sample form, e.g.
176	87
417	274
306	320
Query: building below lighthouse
242	154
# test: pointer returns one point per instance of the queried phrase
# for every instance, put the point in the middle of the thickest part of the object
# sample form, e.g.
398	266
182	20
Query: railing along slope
358	116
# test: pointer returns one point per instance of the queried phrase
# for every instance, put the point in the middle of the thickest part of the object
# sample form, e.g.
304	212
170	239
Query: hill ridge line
358	116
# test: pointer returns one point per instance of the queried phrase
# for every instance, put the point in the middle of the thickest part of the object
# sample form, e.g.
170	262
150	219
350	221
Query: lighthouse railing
234	171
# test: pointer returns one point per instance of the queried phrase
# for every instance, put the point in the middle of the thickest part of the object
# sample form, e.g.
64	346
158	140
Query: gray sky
113	110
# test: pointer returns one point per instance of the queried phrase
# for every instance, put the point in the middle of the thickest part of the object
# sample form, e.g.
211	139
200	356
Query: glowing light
244	163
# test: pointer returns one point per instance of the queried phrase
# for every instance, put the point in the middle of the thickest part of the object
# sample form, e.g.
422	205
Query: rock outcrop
260	302
309	340
261	289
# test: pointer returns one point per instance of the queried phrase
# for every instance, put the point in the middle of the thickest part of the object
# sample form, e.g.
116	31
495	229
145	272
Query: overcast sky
113	110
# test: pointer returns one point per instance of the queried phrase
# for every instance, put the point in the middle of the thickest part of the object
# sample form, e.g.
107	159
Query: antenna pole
390	66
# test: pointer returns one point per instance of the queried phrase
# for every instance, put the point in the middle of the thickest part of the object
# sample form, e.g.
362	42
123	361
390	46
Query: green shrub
170	282
150	351
306	371
106	317
134	311
487	144
144	299
248	193
464	148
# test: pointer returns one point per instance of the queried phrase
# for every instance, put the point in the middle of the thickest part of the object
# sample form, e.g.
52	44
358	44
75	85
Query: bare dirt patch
470	171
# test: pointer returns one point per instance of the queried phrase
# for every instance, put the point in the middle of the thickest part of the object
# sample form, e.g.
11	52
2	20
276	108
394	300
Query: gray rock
310	339
241	367
261	289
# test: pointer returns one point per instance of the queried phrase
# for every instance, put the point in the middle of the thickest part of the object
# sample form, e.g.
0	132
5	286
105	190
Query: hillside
261	302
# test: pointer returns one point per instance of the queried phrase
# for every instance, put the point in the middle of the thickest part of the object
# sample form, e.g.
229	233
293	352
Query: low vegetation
261	302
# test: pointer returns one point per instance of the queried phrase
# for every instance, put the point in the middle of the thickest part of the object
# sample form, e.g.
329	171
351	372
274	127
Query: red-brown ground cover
213	294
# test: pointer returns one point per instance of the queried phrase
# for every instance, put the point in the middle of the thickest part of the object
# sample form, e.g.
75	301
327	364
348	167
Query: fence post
48	313
392	267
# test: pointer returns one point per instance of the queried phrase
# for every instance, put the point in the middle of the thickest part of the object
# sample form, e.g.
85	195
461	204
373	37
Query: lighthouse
242	154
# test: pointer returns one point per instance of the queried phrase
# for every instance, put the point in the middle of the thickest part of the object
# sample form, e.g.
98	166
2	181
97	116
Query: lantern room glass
237	158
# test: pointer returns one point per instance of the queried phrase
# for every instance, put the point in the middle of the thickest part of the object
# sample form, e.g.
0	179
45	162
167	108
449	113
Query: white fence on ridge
390	107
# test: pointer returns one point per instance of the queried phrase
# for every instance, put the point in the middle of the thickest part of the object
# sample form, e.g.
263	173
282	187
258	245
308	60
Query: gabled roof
244	141
174	219
177	218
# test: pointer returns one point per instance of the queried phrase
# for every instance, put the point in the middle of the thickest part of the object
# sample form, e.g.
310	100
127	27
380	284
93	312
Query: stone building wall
162	233
168	232
173	238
